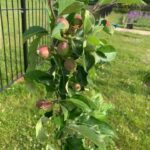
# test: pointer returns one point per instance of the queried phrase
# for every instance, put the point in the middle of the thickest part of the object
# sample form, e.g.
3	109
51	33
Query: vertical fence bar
29	20
39	13
32	14
45	21
24	27
33	22
15	44
42	19
28	13
36	15
10	49
1	80
19	34
3	37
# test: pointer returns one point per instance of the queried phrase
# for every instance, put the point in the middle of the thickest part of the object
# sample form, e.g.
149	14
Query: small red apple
43	51
43	104
77	86
78	20
107	23
65	22
70	64
63	48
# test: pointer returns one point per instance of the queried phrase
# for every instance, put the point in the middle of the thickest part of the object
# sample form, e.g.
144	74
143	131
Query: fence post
24	27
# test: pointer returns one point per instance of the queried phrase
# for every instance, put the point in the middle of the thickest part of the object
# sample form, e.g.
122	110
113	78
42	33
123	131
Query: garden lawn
122	82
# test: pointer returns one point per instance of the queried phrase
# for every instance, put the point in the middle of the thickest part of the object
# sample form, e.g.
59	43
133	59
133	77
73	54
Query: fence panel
15	17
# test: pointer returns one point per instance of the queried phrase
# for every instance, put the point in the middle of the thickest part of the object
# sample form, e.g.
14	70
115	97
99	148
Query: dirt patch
141	32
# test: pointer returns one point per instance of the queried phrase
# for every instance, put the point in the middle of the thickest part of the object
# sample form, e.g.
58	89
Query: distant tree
104	7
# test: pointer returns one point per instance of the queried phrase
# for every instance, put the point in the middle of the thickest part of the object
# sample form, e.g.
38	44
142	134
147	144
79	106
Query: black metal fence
15	17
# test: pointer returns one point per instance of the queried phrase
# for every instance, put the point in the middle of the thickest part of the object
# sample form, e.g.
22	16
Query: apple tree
74	114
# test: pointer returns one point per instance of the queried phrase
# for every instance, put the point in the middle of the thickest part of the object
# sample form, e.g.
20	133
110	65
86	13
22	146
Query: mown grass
17	119
122	82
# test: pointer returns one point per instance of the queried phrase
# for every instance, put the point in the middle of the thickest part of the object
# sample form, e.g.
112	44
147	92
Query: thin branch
51	9
95	6
99	8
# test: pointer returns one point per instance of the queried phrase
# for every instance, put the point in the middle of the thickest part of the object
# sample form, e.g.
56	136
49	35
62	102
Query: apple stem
51	9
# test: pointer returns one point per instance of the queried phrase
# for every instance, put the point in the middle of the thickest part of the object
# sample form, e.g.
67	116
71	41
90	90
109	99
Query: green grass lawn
121	82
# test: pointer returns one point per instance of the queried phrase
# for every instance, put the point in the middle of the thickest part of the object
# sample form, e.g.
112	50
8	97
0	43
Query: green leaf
58	120
85	1
86	100
81	75
40	132
50	147
65	112
88	133
74	143
35	30
129	2
89	22
38	90
69	6
80	104
97	30
109	29
36	75
89	61
105	1
56	33
110	57
42	78
64	4
98	115
100	126
109	51
100	112
32	55
73	8
93	40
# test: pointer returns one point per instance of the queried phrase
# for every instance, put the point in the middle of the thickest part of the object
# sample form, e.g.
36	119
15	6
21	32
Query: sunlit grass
122	83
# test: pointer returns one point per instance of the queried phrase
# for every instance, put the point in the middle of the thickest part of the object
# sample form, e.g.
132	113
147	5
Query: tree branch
51	9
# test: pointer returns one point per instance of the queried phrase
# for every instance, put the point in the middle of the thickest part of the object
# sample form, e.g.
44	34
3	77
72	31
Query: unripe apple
77	86
70	64
43	51
78	20
63	48
63	21
43	104
107	23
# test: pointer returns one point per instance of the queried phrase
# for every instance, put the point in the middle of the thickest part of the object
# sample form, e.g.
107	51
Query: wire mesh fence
15	17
